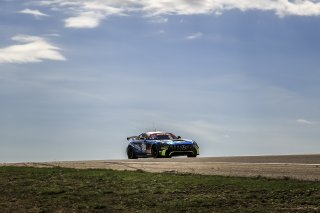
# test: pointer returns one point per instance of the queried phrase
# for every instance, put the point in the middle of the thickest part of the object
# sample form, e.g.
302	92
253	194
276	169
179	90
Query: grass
94	190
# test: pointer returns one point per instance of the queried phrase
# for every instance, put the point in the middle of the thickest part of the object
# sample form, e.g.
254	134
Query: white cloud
304	121
79	9
85	20
33	49
194	36
35	13
91	14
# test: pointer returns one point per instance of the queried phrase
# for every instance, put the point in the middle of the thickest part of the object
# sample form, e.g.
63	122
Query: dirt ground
302	167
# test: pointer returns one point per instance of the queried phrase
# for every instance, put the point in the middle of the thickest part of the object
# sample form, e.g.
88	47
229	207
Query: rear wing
132	138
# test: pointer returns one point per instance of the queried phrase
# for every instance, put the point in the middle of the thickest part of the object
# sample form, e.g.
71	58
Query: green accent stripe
163	153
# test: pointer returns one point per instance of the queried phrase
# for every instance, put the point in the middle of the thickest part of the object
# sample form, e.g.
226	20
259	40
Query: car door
142	143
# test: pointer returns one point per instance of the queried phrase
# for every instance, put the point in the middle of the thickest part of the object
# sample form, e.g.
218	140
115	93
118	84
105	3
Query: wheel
131	154
155	151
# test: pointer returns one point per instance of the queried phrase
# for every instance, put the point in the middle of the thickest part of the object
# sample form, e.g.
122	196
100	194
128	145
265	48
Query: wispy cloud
85	13
33	49
304	121
159	20
53	34
203	130
35	13
194	36
81	11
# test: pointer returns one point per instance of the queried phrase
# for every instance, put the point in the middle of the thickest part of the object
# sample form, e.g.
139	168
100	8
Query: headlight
195	145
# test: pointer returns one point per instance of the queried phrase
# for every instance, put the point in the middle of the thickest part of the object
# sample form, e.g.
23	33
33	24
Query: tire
155	151
131	154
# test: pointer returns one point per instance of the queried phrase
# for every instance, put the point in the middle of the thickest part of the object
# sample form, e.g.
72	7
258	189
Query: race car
160	144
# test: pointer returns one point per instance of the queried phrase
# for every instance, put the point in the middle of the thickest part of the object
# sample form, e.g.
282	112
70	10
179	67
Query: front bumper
179	150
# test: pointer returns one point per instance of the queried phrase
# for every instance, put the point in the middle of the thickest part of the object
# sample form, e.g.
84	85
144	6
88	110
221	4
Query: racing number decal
143	147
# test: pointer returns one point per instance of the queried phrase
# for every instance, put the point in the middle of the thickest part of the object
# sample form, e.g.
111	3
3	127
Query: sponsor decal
143	147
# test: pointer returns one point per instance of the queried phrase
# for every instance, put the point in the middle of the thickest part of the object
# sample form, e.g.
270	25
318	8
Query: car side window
143	136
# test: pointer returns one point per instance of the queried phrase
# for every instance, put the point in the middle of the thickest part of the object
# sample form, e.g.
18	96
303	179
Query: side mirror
179	137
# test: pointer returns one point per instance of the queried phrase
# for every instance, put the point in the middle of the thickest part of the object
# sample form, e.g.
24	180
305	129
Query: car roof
157	132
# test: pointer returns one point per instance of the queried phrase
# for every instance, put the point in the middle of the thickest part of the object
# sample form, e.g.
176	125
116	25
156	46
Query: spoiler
132	137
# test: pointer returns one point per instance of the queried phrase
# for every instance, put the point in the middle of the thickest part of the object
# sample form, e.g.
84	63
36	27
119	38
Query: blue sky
77	76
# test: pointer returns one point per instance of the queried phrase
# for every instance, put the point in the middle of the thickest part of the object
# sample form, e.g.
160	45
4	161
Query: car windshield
167	136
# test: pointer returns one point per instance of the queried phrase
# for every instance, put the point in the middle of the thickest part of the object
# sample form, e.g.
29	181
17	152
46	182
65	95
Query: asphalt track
302	167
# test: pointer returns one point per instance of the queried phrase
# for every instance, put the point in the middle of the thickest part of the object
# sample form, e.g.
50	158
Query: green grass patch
66	190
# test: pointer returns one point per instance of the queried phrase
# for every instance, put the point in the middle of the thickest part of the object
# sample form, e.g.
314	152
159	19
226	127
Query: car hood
176	142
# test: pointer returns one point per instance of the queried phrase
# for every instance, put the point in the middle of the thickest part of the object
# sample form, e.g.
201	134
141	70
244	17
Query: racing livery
160	144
